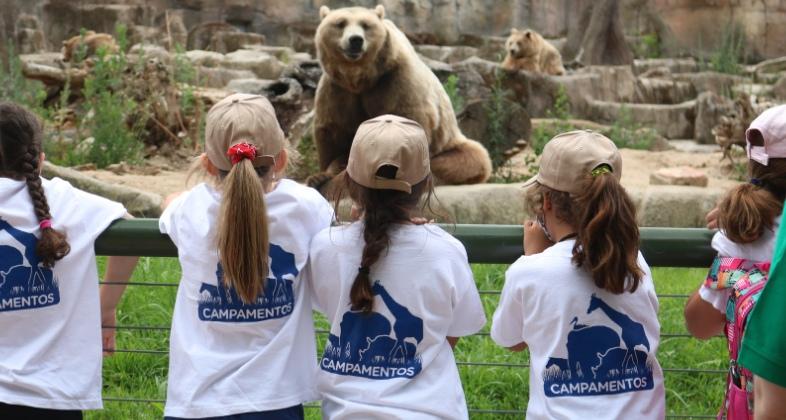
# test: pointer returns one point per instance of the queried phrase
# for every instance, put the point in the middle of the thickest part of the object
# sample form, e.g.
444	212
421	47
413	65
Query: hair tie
757	182
364	270
600	170
242	151
45	224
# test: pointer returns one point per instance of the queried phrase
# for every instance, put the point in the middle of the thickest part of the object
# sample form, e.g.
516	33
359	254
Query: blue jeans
291	413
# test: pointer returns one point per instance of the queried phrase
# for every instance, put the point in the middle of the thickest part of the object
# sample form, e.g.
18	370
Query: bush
728	55
15	88
456	99
545	132
627	133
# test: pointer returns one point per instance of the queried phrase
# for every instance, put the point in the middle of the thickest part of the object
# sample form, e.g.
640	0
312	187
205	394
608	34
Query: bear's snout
356	43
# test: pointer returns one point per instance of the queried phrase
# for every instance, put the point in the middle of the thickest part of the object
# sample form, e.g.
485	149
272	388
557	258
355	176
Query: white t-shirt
227	357
592	353
50	322
759	250
396	362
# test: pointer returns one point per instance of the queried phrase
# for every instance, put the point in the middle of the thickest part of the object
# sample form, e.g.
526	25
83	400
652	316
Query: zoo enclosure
485	244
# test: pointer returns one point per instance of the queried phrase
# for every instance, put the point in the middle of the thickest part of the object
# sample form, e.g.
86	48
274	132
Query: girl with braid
398	293
50	317
242	345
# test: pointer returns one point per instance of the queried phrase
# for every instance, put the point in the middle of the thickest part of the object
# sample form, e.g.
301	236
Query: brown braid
20	147
381	210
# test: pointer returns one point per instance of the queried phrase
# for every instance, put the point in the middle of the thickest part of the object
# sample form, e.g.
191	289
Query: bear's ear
380	10
529	34
513	31
323	11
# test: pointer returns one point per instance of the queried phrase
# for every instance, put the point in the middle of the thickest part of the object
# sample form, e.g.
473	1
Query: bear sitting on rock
371	69
92	42
527	50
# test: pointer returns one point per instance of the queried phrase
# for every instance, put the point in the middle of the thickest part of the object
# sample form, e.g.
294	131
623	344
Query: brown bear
93	41
527	50
371	69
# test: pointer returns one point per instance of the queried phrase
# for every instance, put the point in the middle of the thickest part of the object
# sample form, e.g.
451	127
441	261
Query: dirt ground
637	167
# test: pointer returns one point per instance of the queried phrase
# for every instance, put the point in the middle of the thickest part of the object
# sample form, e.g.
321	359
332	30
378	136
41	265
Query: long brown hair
607	235
751	208
381	210
20	149
243	242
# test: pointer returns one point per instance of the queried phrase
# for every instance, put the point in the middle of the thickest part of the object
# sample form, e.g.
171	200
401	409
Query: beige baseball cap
243	118
389	140
771	124
569	158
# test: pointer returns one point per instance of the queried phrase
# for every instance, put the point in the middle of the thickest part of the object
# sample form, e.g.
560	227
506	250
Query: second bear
527	50
371	69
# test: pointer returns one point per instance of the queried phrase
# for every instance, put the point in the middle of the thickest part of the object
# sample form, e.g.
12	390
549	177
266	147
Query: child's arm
702	319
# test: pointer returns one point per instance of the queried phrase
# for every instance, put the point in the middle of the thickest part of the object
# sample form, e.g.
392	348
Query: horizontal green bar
662	247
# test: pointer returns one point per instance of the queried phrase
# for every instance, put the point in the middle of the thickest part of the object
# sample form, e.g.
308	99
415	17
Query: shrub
451	87
15	87
627	133
728	54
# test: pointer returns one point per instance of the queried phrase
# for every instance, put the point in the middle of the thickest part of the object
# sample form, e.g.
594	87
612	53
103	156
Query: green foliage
113	119
185	76
498	115
649	46
14	87
305	163
452	89
561	114
727	56
627	133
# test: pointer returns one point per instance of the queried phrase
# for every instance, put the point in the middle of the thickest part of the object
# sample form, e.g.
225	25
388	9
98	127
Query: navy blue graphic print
277	299
24	282
600	361
370	347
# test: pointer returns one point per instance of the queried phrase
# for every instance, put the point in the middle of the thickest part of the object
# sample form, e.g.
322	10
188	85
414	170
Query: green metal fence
485	244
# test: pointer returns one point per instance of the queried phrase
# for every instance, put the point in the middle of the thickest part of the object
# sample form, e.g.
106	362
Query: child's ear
281	161
208	165
546	202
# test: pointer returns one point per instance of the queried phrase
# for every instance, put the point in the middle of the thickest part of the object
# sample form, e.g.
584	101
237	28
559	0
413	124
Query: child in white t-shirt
582	298
748	216
50	317
398	295
242	340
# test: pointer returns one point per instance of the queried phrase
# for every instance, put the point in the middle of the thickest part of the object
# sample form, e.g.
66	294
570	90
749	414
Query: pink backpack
746	279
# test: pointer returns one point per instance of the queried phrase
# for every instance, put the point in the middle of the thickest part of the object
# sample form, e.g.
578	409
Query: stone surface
447	54
265	66
682	175
710	107
779	90
718	83
676	206
149	50
674	65
670	121
138	203
219	77
252	86
474	122
205	58
663	91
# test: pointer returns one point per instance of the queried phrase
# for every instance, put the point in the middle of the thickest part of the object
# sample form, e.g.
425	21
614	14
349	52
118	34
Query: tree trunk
598	38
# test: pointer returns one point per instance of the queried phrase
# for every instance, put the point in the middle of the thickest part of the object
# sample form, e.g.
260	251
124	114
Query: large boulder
205	58
670	121
710	107
502	129
718	83
674	65
447	54
677	206
663	91
779	90
265	66
219	77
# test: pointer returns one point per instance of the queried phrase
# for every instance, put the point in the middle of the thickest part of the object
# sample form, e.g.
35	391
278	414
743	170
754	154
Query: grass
143	376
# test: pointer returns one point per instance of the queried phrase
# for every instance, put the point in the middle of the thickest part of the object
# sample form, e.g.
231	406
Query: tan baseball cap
569	158
243	118
389	140
771	124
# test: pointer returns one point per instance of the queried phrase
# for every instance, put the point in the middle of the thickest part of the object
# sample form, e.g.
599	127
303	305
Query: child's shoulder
289	191
443	239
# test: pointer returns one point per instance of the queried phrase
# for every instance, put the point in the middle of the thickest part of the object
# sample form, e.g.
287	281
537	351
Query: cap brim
264	160
530	182
380	183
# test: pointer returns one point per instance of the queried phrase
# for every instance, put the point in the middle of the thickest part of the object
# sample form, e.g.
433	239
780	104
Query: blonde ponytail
243	242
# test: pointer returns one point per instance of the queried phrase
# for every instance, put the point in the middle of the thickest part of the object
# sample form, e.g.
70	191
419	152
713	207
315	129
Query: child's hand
712	218
108	322
535	240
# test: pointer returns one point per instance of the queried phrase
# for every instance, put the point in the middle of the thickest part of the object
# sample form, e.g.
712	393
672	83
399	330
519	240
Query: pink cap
772	126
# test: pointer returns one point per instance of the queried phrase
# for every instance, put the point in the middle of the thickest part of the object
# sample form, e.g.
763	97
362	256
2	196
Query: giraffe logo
369	346
217	303
24	282
600	361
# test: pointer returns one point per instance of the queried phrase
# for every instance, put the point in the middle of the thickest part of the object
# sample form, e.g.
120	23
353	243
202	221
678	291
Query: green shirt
764	343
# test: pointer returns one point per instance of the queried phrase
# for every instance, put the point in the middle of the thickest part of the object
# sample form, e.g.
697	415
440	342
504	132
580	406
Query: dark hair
20	148
381	209
607	235
748	209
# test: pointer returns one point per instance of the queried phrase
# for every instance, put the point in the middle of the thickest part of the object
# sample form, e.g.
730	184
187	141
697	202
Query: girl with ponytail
748	217
581	299
242	342
49	299
398	293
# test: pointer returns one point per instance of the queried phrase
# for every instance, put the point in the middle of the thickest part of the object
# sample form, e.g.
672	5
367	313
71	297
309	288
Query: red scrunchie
242	151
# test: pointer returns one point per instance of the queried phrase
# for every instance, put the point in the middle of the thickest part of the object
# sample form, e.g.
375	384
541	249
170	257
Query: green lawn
133	376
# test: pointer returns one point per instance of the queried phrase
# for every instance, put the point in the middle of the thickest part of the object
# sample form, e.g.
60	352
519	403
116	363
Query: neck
560	230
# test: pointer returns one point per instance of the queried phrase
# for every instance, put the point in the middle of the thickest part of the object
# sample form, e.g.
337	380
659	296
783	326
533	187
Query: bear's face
521	44
352	33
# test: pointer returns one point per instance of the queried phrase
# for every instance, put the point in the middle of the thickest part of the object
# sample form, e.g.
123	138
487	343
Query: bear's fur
371	69
527	50
93	40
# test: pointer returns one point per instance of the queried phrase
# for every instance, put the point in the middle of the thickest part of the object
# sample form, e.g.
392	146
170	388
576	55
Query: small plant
15	87
561	115
305	163
452	89
649	46
191	113
498	116
627	133
728	54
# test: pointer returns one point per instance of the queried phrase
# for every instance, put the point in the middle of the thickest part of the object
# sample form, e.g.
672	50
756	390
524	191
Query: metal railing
485	244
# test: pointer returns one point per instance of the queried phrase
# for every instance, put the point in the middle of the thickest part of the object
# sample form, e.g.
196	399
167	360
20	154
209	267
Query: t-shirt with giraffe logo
50	317
592	353
229	357
394	362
